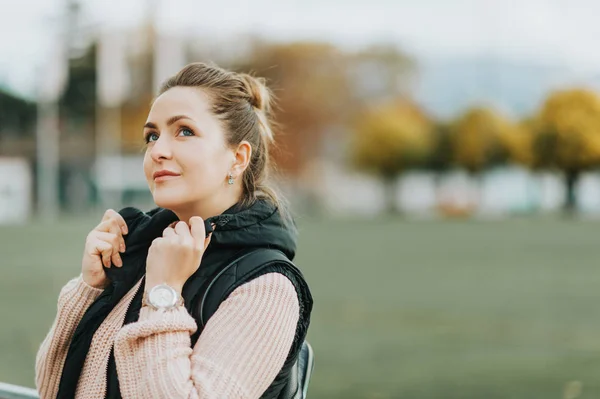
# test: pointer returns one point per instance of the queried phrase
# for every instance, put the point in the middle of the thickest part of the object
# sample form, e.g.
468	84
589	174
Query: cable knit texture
74	298
238	355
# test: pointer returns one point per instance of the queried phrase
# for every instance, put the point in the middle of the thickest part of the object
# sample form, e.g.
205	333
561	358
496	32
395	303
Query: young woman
127	326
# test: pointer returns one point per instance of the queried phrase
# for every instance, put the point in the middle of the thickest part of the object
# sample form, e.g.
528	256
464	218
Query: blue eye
151	137
186	132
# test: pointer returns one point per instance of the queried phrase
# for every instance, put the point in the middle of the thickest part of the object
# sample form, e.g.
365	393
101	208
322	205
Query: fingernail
122	249
124	230
119	262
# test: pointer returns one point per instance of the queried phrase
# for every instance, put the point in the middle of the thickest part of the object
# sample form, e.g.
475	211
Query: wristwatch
162	297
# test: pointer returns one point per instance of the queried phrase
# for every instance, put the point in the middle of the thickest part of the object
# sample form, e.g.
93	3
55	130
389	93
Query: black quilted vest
238	231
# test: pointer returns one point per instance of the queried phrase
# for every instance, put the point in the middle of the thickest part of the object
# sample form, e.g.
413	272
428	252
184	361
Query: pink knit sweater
238	355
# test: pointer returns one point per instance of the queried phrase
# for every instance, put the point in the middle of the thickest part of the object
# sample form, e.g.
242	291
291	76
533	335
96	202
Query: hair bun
258	93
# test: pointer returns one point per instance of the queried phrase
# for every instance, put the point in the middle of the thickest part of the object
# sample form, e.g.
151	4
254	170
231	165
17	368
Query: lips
164	174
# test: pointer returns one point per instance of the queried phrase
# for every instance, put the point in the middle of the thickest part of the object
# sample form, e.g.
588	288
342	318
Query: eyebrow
171	121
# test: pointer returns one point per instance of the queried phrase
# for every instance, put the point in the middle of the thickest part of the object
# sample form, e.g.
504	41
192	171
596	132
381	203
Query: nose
161	149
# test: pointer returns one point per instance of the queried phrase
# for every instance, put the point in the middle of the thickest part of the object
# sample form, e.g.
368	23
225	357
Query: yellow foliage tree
319	88
482	137
567	136
390	139
516	141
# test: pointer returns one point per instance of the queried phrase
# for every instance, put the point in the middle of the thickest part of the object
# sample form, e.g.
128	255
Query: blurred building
17	126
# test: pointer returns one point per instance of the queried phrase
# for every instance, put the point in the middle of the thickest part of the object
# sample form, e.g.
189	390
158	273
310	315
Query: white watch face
162	296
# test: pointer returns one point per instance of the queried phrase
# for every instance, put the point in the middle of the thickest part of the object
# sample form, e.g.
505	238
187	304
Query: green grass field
403	309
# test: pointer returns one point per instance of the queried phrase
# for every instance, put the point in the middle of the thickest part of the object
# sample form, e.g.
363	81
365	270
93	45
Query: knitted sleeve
238	355
74	299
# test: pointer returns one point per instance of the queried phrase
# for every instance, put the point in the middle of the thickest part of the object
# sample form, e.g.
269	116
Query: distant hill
448	85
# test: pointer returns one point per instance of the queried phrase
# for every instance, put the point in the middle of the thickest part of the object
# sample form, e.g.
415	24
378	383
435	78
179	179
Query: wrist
95	282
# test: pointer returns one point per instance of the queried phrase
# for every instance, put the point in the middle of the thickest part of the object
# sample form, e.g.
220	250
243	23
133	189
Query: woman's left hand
175	256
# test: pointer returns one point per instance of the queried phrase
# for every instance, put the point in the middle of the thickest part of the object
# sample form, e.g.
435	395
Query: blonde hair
243	104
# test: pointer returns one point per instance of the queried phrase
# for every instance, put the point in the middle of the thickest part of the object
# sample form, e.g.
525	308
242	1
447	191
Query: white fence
8	391
496	193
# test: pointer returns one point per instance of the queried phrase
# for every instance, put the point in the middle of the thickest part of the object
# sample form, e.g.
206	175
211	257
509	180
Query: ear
242	156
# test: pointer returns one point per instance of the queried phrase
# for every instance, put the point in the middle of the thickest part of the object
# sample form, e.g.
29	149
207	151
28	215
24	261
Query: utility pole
52	84
112	89
48	158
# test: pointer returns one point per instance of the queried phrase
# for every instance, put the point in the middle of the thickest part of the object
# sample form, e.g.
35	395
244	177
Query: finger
116	259
114	239
110	252
198	231
183	230
157	242
106	256
105	250
168	232
107	214
111	214
111	227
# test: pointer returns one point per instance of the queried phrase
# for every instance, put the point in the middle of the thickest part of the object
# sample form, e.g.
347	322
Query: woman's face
186	141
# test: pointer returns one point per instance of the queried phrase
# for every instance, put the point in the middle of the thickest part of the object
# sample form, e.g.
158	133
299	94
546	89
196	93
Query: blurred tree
17	115
517	141
78	101
312	90
319	88
567	136
440	157
479	138
391	139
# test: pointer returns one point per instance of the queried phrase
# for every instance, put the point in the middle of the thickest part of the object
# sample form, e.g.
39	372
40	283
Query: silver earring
230	181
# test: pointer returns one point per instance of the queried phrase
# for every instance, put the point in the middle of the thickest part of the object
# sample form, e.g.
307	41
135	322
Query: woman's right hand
102	247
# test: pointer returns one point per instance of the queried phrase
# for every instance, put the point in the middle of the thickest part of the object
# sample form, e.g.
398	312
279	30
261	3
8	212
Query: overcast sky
542	31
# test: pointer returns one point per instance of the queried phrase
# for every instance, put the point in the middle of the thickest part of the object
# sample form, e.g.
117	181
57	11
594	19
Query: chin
169	200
